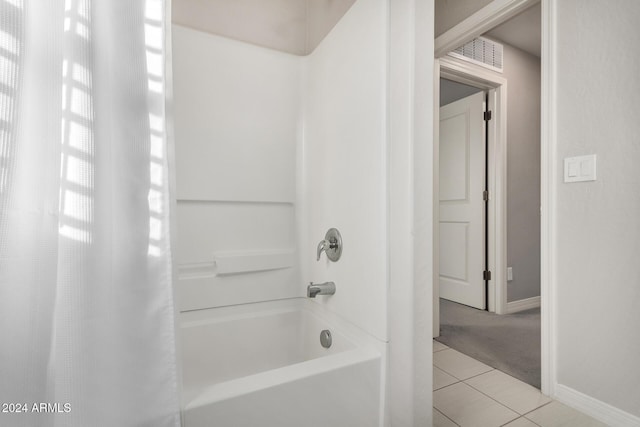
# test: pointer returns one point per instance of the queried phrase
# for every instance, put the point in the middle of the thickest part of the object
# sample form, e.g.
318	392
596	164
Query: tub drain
325	338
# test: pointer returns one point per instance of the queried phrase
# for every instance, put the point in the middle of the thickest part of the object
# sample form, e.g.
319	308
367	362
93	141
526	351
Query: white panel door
462	169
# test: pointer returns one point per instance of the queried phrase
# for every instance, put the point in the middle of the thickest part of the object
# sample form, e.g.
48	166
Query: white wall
236	125
598	232
344	174
322	16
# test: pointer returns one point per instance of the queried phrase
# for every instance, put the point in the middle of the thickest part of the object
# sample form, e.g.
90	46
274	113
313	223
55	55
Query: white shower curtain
86	304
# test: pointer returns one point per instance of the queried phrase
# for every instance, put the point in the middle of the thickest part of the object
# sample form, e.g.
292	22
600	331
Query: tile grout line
443	349
473	376
459	379
477	375
445	415
499	403
491	398
520	417
511	409
472	358
533	410
448	373
465	379
445	386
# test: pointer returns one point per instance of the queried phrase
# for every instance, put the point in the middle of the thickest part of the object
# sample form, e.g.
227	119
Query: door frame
497	12
496	86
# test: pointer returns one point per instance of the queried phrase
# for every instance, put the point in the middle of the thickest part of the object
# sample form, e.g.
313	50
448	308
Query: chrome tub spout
327	288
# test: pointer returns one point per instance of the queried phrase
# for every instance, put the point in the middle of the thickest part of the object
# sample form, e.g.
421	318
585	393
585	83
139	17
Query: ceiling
522	31
298	26
293	26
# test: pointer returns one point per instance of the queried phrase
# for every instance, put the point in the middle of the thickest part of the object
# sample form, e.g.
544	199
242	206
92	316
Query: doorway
494	257
499	302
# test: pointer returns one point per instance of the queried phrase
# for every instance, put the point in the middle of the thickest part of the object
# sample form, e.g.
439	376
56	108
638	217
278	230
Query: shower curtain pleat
87	318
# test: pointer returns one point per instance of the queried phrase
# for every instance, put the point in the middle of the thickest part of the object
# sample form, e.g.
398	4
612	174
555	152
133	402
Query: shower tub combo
263	364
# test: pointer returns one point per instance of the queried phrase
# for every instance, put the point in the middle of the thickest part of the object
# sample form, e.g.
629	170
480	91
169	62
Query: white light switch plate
582	168
509	274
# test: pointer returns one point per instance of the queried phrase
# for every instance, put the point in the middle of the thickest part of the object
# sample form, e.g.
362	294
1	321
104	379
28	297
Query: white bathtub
262	365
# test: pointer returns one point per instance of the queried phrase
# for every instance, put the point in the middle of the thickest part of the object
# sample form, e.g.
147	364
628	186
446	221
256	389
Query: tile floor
469	393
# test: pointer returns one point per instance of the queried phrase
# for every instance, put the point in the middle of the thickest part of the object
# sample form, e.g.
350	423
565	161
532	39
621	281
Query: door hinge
485	195
487	116
486	275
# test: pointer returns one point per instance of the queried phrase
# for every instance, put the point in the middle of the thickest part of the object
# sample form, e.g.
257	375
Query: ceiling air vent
481	51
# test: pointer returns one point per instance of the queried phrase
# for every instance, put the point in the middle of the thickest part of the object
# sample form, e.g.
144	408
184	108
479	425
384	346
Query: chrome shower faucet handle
331	245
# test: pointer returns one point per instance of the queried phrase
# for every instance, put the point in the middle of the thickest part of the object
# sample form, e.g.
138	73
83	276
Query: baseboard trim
523	304
595	408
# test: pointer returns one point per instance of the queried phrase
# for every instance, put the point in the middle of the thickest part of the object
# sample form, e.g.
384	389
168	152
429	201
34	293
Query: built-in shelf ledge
237	262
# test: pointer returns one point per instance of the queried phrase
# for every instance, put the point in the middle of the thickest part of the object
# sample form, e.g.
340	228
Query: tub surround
270	152
256	132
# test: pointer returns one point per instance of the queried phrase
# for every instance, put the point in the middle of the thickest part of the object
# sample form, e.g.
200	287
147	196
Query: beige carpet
509	342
